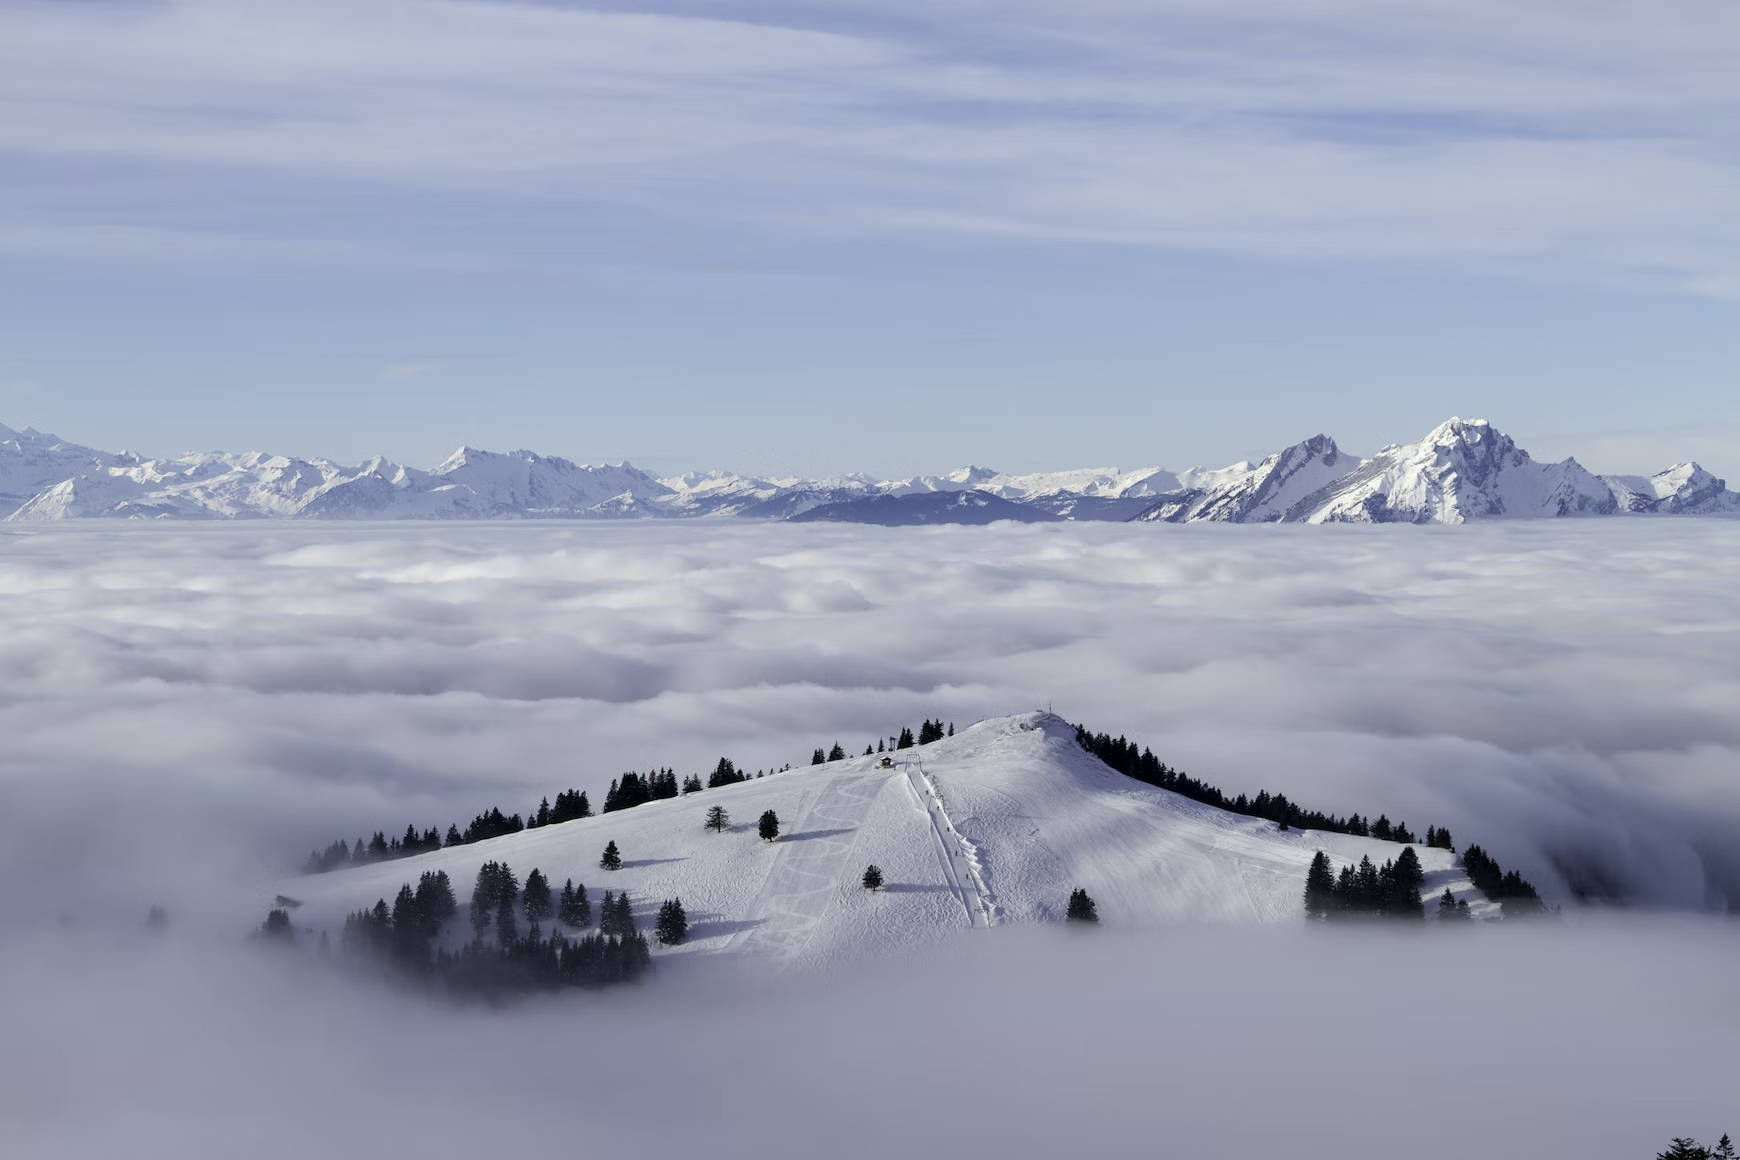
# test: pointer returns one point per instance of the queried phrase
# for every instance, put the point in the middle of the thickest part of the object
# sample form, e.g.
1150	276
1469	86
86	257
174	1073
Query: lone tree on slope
873	877
1081	907
769	826
673	924
717	819
612	859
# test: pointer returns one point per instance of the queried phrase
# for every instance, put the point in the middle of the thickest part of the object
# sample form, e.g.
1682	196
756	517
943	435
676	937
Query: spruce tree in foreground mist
575	908
612	859
276	928
537	896
873	877
769	825
673	924
717	819
1319	887
1081	907
616	916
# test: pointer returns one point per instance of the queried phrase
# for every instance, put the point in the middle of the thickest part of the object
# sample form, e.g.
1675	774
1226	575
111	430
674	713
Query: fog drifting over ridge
231	696
187	709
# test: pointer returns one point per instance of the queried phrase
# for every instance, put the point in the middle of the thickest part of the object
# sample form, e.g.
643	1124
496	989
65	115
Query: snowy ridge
1463	470
994	825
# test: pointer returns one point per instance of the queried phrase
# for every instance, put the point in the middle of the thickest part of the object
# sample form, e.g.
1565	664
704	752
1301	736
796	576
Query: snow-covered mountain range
993	826
1462	470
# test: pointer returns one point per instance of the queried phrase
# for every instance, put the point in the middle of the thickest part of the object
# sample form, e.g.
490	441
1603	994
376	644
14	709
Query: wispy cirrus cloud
1556	137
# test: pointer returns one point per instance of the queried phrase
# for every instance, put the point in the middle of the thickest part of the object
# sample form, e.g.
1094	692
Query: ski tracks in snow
811	862
960	861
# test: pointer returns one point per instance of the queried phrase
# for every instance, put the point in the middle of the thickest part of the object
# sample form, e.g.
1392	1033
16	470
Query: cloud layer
189	698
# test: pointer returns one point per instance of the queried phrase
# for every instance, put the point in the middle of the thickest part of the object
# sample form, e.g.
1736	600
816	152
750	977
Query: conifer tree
277	927
612	859
607	915
673	924
1081	907
873	877
435	901
506	929
537	896
879	748
1724	1149
717	819
625	927
866	751
483	897
1405	879
818	757
1684	1148
1319	887
951	728
905	741
836	753
769	825
576	909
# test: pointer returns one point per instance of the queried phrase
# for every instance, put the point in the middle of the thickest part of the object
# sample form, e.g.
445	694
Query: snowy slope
1464	469
1260	493
1019	817
1683	489
32	462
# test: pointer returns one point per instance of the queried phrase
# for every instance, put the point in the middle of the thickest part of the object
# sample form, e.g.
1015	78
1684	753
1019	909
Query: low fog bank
188	710
1585	1039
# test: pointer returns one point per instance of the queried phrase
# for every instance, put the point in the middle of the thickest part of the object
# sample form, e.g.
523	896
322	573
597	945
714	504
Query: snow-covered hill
1462	470
994	825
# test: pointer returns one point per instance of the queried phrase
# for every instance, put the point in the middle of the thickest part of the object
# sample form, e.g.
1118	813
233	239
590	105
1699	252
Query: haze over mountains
1462	470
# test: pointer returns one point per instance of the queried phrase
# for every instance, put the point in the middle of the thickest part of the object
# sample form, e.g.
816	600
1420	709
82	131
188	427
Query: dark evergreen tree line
1388	891
1509	889
636	789
725	773
1140	763
932	731
402	935
1686	1148
570	805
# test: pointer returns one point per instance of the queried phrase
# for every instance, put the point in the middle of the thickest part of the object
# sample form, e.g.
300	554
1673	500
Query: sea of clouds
187	710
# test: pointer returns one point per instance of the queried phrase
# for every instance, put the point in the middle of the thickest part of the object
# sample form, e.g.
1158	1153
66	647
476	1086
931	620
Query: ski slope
992	826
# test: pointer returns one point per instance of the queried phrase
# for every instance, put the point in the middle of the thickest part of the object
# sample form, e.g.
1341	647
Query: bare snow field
187	710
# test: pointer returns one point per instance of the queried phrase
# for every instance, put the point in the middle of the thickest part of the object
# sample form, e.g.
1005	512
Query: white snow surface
1022	816
1463	470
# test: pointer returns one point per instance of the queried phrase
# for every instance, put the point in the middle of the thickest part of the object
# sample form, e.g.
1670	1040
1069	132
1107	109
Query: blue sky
891	237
